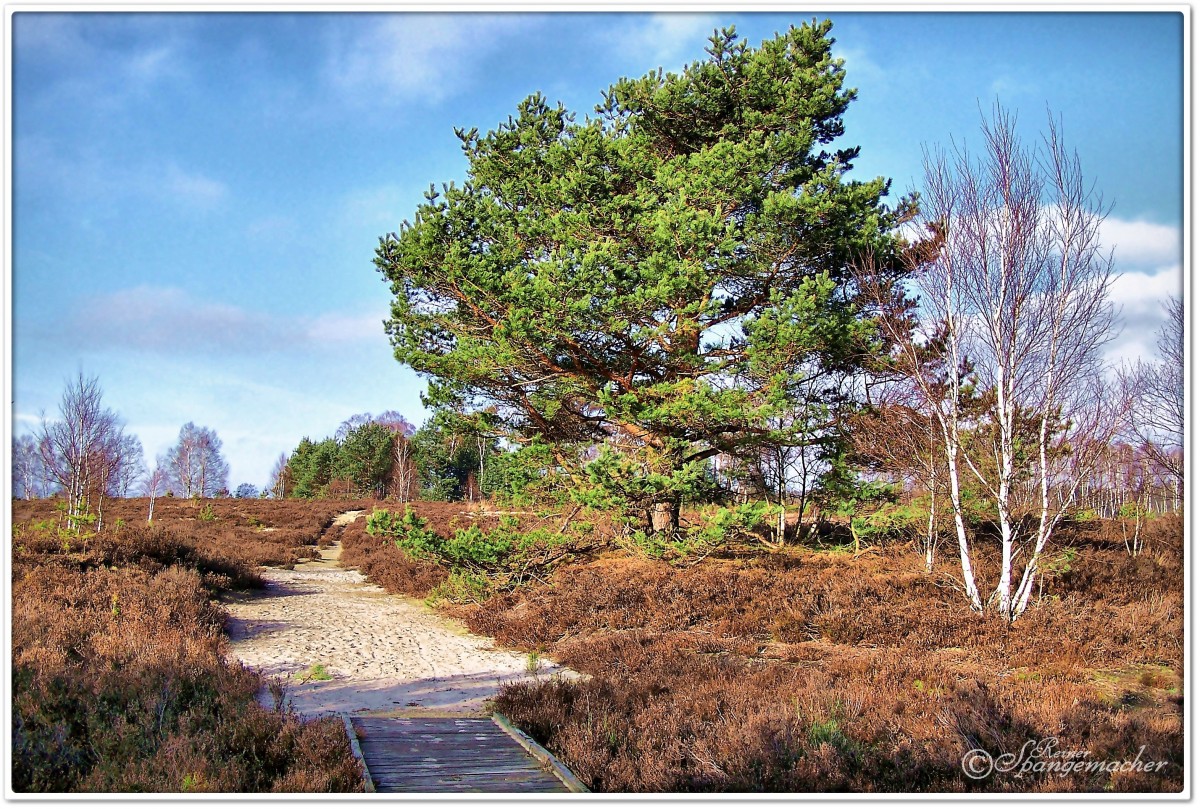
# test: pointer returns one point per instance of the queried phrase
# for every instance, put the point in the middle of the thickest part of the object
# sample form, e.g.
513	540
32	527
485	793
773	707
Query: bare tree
1156	413
927	337
395	422
402	474
899	437
155	484
1134	479
404	469
1021	289
787	473
390	419
130	467
350	425
27	469
82	449
280	477
196	464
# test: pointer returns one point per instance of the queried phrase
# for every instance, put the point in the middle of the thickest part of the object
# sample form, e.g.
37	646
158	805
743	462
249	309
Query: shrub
802	671
461	588
408	530
120	684
120	681
503	552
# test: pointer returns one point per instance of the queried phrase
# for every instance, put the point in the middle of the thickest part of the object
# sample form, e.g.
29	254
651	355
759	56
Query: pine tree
658	277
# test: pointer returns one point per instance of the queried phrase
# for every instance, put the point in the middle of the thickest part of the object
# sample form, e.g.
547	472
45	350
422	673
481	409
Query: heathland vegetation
122	680
823	492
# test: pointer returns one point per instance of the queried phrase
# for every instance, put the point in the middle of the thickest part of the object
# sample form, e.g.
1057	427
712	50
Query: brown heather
121	676
813	670
803	669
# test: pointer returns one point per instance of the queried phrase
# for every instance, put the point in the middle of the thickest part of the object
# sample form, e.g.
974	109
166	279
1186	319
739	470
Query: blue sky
197	197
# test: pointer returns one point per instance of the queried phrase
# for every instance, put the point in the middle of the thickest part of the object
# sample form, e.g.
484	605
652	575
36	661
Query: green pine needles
660	278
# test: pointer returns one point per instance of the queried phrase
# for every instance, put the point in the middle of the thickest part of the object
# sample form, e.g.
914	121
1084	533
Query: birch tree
28	471
403	468
280	477
82	449
130	466
1155	388
926	347
195	462
155	484
1020	283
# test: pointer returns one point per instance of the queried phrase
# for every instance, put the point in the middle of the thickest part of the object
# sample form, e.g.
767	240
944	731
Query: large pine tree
658	276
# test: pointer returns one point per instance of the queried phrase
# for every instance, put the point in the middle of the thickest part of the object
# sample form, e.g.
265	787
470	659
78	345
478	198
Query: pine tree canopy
664	271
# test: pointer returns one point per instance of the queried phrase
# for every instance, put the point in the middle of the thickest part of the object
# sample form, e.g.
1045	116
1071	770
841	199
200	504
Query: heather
810	668
121	676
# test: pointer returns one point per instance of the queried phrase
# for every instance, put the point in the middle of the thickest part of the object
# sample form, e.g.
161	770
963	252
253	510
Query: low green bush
478	560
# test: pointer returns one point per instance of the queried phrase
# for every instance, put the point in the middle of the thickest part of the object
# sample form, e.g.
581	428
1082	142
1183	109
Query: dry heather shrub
386	565
242	531
120	681
818	671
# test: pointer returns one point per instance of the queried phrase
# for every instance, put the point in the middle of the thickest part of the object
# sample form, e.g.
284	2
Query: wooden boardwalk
455	755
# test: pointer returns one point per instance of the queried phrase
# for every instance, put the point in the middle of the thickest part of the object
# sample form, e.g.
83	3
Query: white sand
386	653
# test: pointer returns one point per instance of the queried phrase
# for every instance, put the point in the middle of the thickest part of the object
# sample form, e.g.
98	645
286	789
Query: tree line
85	456
386	456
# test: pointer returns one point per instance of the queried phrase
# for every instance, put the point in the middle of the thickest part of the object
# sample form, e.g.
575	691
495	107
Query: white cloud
87	179
260	406
668	40
151	64
1140	244
1139	298
273	228
413	57
49	36
860	67
193	188
381	207
340	328
100	60
170	321
1008	86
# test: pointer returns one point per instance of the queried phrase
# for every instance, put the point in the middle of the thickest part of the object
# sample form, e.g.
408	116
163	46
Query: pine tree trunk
664	517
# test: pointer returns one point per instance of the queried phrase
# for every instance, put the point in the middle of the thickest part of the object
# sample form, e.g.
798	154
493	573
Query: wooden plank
473	783
426	753
445	742
559	769
426	761
448	755
396	763
474	778
423	772
356	751
514	776
408	777
382	759
420	721
435	753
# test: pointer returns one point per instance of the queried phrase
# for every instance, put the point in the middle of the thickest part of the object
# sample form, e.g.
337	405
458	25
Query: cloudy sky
197	197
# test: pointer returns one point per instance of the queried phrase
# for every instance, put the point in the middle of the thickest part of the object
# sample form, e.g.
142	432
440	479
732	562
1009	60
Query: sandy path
384	652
